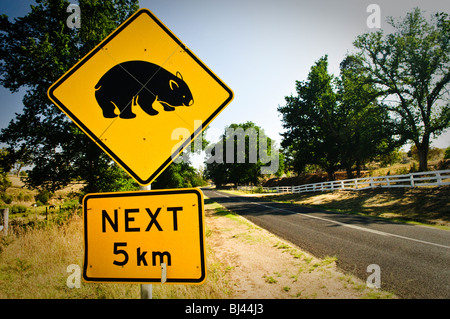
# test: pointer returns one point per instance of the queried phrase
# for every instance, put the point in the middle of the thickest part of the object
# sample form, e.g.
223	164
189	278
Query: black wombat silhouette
142	83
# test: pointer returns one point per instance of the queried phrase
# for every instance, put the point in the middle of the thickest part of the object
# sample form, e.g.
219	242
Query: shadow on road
253	206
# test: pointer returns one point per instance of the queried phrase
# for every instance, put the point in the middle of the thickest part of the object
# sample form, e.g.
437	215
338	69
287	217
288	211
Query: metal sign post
146	289
110	94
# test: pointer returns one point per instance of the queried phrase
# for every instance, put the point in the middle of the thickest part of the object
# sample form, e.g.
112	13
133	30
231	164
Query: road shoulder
261	265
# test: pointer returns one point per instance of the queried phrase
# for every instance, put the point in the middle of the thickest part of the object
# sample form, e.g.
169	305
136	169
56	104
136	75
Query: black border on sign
147	280
96	139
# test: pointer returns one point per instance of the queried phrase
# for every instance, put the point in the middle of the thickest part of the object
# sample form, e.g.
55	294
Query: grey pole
146	289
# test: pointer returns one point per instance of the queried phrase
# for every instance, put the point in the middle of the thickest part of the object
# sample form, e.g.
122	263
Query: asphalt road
414	260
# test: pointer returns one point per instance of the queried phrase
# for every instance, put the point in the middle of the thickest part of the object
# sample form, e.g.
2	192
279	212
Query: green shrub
447	153
6	198
4	182
18	209
43	196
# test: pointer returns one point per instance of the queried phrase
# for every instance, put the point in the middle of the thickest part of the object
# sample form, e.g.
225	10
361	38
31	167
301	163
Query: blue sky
259	48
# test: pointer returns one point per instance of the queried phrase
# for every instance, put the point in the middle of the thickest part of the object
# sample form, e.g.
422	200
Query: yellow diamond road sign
128	235
133	91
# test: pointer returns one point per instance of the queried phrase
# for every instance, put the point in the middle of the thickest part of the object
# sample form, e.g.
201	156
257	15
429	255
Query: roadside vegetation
35	256
36	253
421	205
392	89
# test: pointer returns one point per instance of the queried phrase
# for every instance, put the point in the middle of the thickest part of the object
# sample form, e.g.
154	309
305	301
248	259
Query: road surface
414	260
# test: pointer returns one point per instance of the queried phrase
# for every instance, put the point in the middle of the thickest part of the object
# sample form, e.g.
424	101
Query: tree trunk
423	159
330	173
422	152
18	170
93	153
358	169
348	168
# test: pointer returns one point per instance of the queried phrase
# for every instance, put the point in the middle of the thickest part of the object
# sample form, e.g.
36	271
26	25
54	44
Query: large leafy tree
35	50
412	68
5	166
241	156
179	175
365	129
335	122
310	120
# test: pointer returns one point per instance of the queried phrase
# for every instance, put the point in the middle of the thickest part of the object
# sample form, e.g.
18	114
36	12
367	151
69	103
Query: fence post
5	217
412	180
356	183
371	183
438	179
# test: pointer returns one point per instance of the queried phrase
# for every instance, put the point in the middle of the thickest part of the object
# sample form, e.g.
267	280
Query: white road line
220	194
381	233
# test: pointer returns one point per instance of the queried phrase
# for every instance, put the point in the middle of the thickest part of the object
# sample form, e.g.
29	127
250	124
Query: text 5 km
140	256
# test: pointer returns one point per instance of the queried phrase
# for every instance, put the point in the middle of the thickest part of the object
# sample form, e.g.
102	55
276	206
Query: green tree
35	50
335	122
239	157
365	129
411	67
5	166
6	163
434	153
310	120
218	172
391	158
447	153
181	173
178	175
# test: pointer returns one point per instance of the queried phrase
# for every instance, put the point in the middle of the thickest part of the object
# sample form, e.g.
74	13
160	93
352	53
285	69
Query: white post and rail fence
431	178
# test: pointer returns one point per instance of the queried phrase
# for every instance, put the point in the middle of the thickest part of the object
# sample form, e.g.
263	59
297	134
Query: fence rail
431	178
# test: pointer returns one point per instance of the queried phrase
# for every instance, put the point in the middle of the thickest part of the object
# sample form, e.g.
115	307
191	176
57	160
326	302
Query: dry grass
33	264
26	197
243	261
